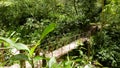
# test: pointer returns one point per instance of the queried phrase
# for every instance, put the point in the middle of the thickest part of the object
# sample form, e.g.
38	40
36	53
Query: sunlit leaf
5	3
51	62
21	46
8	41
68	65
32	50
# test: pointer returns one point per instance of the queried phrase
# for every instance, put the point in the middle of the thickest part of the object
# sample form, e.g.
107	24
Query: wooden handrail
65	49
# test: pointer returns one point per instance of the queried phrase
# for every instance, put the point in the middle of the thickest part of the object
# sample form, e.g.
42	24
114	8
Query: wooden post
22	62
2	57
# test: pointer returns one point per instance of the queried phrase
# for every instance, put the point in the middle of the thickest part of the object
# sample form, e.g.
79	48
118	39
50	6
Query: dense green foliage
29	18
25	20
107	41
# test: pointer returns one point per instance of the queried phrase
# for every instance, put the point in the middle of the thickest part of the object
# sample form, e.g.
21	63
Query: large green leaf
8	41
47	30
37	58
18	46
19	57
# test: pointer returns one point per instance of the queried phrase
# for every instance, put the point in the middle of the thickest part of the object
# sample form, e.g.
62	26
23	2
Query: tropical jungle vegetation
34	26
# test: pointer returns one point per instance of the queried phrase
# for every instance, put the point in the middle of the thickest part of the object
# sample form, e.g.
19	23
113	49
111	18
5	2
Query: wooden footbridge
61	51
